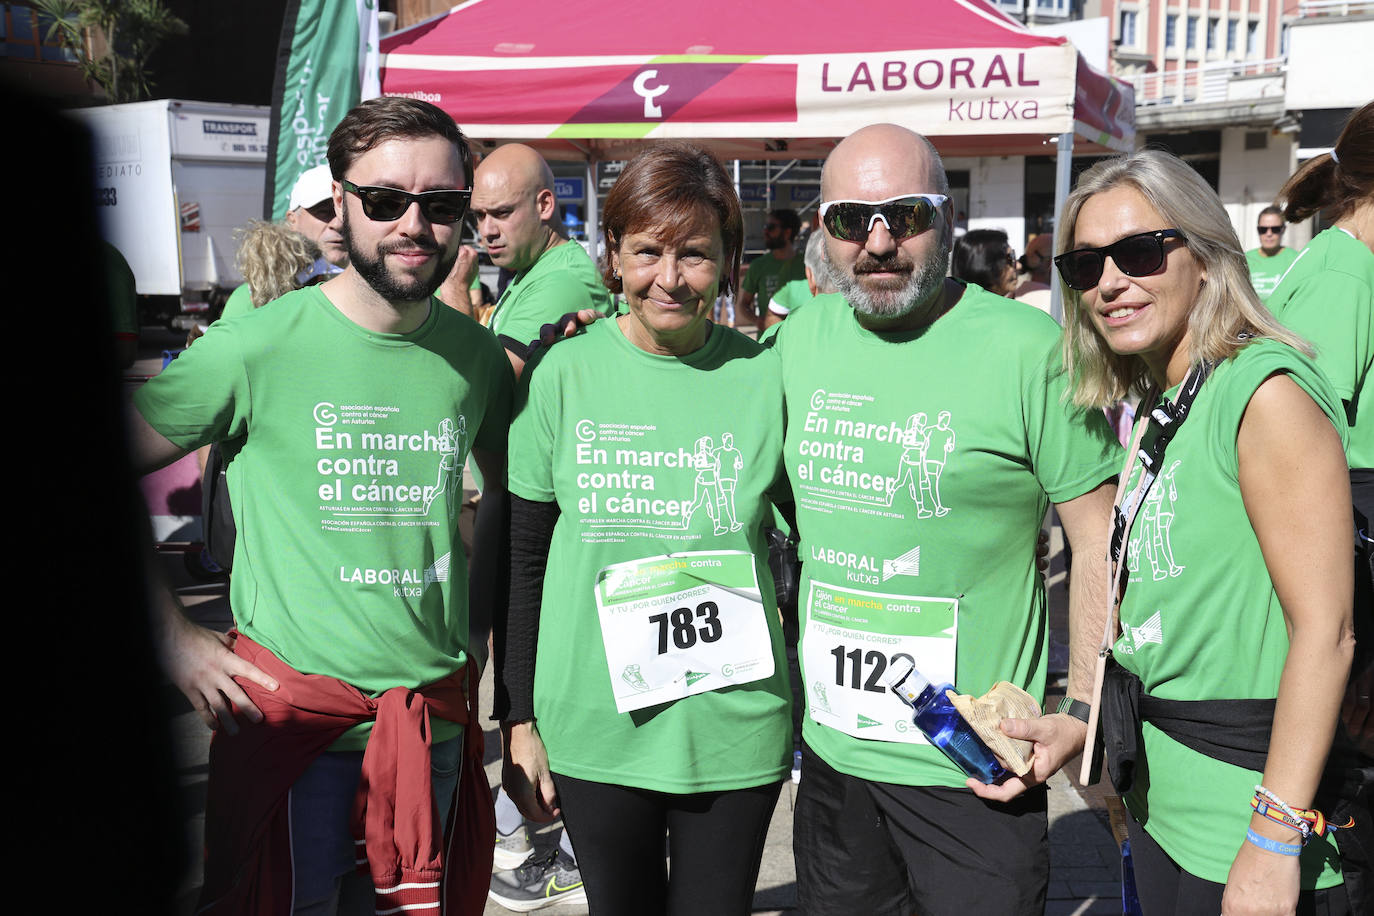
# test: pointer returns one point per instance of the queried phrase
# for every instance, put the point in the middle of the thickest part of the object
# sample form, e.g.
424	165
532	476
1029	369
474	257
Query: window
22	35
1252	39
1213	30
1171	30
1192	32
1126	34
1230	35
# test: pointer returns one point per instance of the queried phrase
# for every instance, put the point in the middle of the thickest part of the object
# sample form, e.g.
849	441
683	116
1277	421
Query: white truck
173	179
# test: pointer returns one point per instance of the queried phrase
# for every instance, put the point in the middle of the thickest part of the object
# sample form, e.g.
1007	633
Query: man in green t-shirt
1271	260
926	438
796	293
351	408
516	210
766	275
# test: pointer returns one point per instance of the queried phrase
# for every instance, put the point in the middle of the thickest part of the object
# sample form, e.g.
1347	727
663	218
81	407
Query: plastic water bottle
940	722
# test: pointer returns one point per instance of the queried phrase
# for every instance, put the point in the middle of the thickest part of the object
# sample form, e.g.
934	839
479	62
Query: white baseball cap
313	186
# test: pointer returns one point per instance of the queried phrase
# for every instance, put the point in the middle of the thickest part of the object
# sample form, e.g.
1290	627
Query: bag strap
1168	418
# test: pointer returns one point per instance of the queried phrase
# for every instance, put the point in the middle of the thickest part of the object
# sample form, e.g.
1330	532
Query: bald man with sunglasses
926	437
351	407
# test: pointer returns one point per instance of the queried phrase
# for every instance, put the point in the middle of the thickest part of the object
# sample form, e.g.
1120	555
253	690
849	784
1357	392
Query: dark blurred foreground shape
86	730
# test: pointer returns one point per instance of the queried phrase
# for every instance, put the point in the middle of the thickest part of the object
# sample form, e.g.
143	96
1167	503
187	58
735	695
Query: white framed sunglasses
905	215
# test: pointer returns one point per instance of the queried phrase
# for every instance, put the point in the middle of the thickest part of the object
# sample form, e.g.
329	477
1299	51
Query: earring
615	273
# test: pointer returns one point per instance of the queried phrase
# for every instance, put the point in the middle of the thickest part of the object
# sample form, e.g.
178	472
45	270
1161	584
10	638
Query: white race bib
682	624
852	636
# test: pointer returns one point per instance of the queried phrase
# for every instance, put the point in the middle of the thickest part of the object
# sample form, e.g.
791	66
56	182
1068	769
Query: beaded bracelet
1268	845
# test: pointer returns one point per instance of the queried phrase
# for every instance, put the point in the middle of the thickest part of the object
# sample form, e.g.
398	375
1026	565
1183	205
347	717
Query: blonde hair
270	256
1226	305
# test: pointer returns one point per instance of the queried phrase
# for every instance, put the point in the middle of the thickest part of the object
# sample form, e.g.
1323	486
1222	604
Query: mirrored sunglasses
385	205
1135	256
904	216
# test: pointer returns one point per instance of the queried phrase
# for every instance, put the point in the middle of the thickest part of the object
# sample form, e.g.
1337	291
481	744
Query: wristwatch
1076	708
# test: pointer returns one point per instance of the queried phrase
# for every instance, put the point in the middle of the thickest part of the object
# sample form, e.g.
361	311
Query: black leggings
715	842
1165	888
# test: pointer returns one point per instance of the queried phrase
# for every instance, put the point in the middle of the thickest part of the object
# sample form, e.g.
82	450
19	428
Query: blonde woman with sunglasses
1234	573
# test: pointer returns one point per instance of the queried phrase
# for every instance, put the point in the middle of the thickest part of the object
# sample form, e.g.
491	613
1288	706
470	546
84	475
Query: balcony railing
1211	82
1308	8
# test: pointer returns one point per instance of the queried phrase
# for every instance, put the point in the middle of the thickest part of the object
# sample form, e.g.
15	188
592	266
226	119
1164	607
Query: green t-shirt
347	485
563	280
1327	297
793	295
766	275
1265	272
240	302
1200	619
633	448
922	465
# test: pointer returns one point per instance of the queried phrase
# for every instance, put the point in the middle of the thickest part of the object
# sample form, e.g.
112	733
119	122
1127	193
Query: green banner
326	63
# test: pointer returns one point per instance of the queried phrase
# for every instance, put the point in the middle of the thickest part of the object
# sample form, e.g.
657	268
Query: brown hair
376	121
1338	181
667	186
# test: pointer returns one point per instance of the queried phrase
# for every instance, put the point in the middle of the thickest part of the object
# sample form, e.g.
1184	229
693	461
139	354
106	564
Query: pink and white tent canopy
591	79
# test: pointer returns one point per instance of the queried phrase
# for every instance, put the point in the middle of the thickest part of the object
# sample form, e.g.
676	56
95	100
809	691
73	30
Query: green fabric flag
326	64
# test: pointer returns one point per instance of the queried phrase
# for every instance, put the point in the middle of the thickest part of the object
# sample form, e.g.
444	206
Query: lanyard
1166	417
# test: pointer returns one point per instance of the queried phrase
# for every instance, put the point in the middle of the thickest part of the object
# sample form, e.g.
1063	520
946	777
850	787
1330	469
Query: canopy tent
779	79
584	79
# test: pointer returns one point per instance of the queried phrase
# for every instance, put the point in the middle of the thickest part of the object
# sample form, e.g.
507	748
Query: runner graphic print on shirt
923	461
376	469
633	491
1151	536
453	443
836	457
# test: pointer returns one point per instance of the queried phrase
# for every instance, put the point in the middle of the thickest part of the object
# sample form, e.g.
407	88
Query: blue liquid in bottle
940	722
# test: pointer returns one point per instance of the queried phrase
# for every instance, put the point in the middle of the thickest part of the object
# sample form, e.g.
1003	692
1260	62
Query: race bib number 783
682	624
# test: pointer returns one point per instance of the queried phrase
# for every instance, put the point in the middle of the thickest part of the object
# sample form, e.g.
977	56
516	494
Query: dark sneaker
512	849
545	880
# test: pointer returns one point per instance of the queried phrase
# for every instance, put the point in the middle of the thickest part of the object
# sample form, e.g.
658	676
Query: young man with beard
768	274
350	414
884	822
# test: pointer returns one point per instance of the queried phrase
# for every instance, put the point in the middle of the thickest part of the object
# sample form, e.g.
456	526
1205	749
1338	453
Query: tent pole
1063	177
593	220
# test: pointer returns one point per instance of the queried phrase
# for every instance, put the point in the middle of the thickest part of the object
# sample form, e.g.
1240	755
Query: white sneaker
512	849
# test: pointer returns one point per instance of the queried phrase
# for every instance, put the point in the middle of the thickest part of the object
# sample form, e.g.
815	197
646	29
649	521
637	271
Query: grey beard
920	287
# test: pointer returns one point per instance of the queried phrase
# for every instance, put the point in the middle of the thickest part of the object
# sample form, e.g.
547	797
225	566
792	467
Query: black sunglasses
904	216
322	211
1135	256
1265	230
386	205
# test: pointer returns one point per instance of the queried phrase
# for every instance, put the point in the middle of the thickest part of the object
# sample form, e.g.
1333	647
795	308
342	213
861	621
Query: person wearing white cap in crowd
310	211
